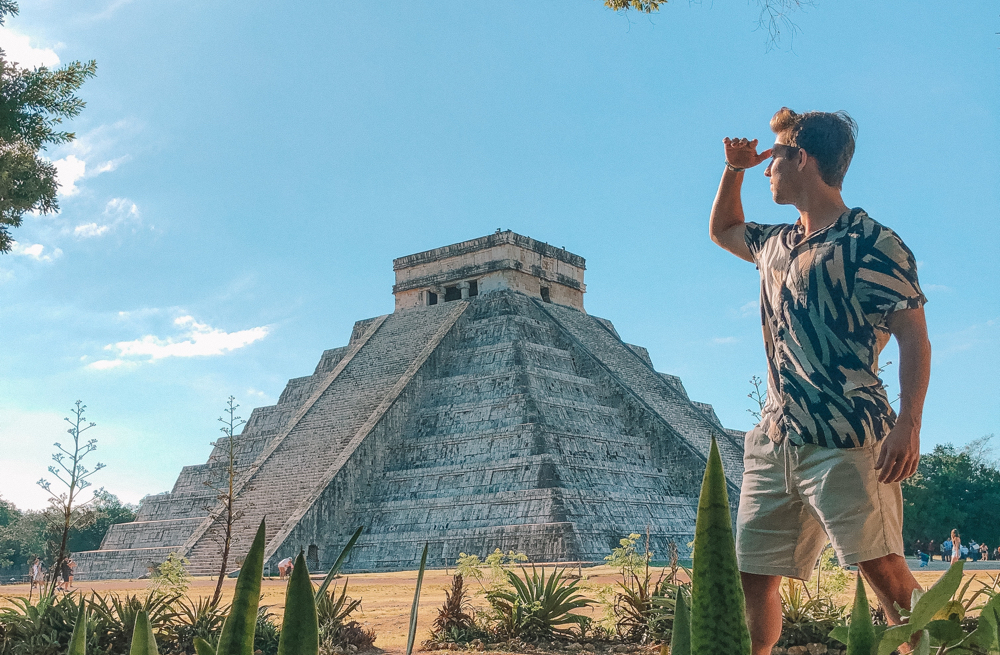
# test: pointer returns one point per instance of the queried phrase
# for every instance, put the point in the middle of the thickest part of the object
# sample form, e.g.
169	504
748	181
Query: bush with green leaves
538	607
171	576
934	622
491	573
805	618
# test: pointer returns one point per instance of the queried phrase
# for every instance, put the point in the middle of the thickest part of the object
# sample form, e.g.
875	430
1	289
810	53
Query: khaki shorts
794	498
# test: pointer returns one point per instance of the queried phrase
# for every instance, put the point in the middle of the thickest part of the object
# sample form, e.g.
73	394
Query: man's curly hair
827	137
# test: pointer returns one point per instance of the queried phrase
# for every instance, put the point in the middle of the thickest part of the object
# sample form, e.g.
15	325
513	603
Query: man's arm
727	224
900	452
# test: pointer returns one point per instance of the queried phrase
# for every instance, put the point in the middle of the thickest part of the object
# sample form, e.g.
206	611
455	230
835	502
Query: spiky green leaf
718	620
339	563
680	637
78	642
202	647
237	632
300	627
143	641
412	635
861	633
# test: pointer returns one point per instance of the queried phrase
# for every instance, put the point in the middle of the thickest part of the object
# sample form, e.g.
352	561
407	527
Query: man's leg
892	582
763	610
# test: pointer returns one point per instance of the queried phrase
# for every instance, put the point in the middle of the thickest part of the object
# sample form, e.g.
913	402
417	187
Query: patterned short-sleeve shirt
824	303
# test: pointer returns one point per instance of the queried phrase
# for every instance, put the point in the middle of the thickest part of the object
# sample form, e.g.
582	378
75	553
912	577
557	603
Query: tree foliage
773	15
953	488
33	104
26	534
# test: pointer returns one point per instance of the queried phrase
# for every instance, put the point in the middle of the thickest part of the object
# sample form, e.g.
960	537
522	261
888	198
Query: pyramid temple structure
489	410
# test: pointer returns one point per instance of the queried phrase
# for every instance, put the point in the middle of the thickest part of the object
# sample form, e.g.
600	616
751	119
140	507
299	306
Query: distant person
984	552
65	574
828	456
285	567
72	571
924	558
973	550
931	547
956	546
946	547
37	574
918	547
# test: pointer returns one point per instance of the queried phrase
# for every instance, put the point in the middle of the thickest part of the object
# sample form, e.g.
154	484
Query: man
827	458
285	567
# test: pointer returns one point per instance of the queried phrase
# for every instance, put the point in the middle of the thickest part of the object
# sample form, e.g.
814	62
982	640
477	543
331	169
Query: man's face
784	172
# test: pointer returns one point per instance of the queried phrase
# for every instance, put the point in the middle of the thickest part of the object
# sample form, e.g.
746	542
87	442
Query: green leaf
78	642
202	647
718	610
935	598
840	633
340	562
680	638
237	631
924	645
861	632
894	637
986	633
946	632
143	641
300	626
411	637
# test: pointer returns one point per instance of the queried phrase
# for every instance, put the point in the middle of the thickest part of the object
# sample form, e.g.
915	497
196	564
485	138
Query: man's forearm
914	376
727	210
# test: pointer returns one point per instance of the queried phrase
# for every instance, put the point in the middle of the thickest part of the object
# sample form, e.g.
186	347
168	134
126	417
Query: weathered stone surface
501	421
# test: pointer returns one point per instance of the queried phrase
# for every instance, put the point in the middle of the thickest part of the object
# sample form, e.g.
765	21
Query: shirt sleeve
757	234
886	278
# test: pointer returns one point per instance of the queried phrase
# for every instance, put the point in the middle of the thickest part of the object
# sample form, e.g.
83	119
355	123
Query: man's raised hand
742	153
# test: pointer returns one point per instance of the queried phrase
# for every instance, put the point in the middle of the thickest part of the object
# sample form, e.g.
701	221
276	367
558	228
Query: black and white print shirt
824	302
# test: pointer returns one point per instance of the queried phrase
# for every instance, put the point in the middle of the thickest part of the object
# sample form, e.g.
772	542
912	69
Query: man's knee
760	586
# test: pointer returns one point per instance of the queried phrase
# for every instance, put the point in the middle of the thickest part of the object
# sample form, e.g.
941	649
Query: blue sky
245	173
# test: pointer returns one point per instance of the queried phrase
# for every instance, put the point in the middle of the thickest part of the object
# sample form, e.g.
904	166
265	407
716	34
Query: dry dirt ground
387	597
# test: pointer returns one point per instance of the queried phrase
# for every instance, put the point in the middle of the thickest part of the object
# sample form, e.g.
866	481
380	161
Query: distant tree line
954	488
26	534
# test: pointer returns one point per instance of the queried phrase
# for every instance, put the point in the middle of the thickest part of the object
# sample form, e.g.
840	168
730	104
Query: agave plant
538	607
199	618
43	628
114	618
718	620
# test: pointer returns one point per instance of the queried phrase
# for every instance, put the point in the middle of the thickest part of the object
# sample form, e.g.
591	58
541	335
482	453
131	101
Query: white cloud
69	169
119	210
36	251
196	340
751	308
724	340
18	48
90	230
121	207
105	364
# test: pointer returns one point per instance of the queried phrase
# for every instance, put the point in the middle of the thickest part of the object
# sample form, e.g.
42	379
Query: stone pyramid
488	411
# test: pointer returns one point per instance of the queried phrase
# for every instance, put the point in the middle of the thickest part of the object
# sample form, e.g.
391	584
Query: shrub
265	633
538	608
113	618
44	628
199	618
335	626
171	577
454	621
807	619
